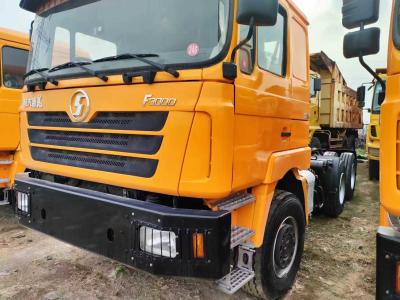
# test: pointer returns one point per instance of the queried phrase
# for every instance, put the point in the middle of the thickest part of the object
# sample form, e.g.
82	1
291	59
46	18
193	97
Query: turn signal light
198	245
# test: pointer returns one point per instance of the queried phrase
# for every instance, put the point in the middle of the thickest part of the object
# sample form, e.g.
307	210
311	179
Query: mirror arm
376	76
368	68
247	39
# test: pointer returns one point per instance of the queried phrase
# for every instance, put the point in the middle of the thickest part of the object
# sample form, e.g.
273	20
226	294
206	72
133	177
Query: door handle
286	134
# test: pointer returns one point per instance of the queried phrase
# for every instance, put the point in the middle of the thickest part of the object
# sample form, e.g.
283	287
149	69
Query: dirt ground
338	263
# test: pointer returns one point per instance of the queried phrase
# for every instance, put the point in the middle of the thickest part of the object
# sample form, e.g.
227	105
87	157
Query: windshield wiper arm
81	65
41	74
142	58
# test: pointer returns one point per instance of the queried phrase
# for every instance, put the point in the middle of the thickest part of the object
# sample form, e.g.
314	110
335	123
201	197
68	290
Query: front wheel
277	262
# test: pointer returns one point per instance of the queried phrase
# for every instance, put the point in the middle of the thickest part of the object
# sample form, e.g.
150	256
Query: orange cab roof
14	36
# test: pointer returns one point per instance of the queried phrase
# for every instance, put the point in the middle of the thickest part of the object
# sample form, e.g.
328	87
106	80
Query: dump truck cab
179	147
14	50
373	133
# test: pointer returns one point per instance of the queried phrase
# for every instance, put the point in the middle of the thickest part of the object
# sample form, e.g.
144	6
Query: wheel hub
285	247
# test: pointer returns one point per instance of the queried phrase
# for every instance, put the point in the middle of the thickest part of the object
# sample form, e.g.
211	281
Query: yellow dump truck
336	116
14	50
360	43
162	147
373	134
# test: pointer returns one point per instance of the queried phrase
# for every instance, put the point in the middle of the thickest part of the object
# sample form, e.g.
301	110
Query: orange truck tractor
14	51
360	43
179	147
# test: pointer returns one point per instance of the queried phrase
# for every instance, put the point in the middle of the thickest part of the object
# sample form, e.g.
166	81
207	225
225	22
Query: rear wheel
350	165
335	189
373	166
277	262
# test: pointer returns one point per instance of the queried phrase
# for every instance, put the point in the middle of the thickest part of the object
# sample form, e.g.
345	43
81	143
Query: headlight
157	242
23	203
373	152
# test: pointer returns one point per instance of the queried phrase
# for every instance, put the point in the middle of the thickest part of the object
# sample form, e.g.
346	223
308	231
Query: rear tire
335	189
373	166
278	260
350	164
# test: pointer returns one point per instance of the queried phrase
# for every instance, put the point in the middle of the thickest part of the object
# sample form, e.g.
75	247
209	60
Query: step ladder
241	274
235	202
6	200
239	235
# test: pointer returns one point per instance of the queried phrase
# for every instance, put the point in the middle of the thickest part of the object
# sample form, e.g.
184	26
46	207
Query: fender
279	165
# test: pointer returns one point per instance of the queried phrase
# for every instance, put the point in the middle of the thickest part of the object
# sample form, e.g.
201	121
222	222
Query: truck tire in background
350	165
335	185
350	143
373	168
277	262
315	143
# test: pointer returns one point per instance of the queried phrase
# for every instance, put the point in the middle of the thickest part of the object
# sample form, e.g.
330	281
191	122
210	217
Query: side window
14	67
300	56
272	46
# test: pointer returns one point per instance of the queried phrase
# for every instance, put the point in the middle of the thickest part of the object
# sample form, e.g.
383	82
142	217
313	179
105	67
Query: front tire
277	262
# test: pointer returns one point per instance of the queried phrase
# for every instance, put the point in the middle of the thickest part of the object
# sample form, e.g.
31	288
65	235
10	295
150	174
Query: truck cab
374	130
179	147
14	51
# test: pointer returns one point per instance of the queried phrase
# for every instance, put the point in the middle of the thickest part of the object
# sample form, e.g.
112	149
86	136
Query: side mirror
361	96
317	84
358	13
361	43
263	12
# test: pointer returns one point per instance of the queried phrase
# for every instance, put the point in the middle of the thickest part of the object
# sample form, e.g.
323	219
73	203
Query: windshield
179	32
376	108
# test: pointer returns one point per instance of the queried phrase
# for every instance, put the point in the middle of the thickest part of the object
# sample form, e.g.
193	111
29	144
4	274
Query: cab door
263	102
13	58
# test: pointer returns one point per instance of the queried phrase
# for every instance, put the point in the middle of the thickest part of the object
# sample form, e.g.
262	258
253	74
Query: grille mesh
141	121
141	144
110	163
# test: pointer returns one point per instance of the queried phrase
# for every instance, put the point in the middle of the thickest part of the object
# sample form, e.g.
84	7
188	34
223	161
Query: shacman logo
79	106
149	100
36	102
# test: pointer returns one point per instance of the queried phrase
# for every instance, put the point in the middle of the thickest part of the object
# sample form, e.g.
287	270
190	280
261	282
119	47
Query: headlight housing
157	242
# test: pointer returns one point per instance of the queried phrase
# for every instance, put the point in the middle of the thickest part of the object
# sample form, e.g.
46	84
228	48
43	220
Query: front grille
141	144
141	121
128	141
373	131
110	163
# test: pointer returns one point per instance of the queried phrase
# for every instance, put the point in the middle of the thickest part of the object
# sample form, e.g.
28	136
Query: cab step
6	200
241	274
239	235
235	202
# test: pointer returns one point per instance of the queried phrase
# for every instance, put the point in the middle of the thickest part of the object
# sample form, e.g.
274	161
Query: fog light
157	242
23	202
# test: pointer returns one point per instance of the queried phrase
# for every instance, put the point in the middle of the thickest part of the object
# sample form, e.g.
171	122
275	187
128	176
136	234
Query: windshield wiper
143	58
41	74
81	65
